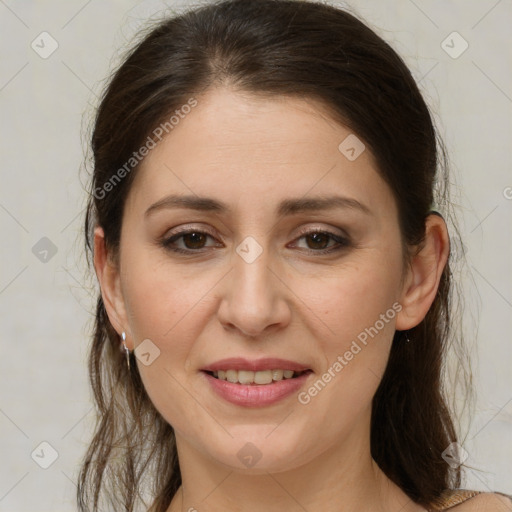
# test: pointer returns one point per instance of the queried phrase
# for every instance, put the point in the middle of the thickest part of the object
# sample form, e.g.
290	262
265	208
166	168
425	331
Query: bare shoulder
486	502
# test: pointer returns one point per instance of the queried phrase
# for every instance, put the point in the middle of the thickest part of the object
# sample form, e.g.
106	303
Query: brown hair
271	47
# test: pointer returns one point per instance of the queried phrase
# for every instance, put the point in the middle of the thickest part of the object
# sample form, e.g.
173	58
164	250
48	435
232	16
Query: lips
267	363
249	393
254	395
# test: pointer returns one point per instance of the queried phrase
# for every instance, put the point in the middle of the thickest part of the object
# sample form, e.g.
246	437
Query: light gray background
46	307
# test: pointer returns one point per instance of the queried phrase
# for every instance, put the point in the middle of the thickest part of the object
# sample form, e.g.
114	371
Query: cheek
161	303
352	298
358	309
159	295
168	305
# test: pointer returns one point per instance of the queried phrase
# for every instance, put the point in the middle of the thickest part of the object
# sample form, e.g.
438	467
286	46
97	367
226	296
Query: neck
344	478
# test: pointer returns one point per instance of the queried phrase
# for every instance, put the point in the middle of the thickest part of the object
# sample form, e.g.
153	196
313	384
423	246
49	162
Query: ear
107	272
424	274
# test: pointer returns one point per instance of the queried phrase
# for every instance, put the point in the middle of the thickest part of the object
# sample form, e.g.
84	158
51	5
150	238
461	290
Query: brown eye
319	240
191	241
194	240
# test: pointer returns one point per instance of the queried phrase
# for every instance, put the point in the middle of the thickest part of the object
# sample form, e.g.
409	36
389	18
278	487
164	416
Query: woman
275	285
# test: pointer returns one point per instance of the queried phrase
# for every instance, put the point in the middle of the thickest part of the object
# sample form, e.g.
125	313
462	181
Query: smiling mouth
263	377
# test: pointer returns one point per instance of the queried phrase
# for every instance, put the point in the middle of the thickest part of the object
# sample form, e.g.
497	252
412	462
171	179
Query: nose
255	301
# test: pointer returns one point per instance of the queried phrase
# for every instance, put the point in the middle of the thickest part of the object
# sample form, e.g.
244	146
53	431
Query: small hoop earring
126	350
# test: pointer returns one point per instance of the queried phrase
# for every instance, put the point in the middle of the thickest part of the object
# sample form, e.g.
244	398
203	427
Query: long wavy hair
273	48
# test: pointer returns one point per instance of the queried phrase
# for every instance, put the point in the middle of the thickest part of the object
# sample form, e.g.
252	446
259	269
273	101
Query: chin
257	453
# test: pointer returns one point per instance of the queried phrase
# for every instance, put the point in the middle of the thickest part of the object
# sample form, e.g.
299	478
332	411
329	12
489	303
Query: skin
290	302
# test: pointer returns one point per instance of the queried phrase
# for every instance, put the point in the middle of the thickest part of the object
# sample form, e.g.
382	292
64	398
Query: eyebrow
285	207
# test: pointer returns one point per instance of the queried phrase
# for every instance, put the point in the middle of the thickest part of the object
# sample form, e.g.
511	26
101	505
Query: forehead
252	150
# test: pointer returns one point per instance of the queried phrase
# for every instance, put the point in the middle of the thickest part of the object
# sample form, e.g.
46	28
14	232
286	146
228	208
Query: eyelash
343	242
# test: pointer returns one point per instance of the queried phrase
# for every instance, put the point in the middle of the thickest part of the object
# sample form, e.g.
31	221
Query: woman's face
253	281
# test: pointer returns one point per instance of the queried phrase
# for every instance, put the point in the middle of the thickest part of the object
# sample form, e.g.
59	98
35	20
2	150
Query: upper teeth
250	377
